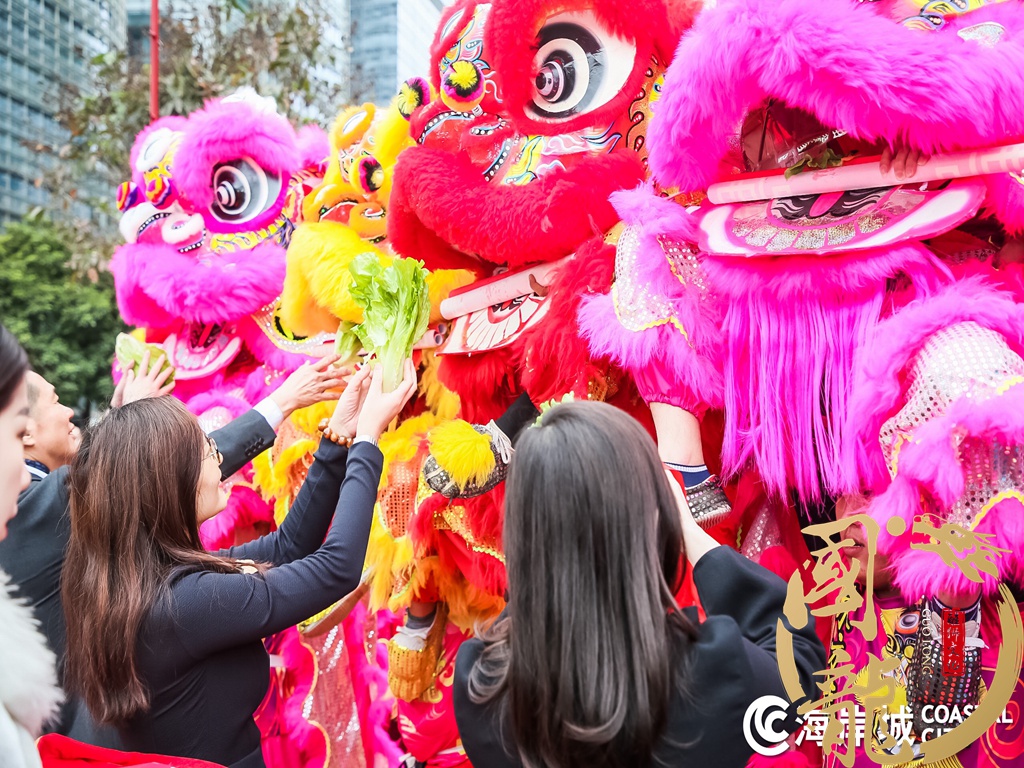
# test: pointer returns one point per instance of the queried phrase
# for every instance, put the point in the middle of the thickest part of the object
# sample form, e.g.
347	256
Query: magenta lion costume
207	217
864	339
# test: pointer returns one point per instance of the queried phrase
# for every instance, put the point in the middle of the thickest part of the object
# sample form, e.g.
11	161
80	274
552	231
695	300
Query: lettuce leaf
129	351
396	310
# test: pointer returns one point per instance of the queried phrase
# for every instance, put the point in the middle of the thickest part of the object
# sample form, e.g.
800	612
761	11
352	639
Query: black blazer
32	554
731	664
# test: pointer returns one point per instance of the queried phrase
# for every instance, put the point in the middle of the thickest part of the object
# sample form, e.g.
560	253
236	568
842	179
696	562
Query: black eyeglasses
214	451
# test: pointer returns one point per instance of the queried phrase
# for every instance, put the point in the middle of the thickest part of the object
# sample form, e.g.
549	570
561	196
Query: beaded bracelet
333	436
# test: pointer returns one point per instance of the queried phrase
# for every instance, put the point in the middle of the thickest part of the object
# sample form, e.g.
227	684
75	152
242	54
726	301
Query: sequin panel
684	263
962	360
990	471
986	34
637	307
331	704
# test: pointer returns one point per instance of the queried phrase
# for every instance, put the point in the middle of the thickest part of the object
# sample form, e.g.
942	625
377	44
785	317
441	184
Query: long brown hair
13	364
592	644
133	489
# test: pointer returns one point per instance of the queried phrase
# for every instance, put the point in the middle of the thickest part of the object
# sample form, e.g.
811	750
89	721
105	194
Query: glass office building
44	44
390	43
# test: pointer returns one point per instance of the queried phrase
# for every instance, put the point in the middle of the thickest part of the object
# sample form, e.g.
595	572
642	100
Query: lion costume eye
242	190
580	66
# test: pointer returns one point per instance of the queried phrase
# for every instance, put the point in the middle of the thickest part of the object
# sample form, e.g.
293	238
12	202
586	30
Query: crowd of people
109	594
688	424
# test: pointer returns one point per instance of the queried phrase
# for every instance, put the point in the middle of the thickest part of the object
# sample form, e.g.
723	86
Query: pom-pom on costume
207	216
836	322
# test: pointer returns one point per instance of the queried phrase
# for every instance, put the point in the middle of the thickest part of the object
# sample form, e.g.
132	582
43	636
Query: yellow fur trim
439	398
308	419
462	452
442	282
467	605
316	284
401	444
387	557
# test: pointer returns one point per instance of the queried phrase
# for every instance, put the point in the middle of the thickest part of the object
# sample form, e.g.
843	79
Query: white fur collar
28	679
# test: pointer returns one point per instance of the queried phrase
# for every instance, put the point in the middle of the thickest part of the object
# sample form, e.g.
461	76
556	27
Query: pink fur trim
793	328
374	701
313	145
217	397
224	288
839	277
878	388
929	467
245	508
224	131
267	352
136	307
667	365
1005	201
848	66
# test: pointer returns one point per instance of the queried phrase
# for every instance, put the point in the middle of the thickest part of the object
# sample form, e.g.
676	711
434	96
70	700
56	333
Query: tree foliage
66	319
285	50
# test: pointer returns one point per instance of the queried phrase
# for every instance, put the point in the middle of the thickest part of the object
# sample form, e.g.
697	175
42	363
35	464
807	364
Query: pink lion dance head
207	217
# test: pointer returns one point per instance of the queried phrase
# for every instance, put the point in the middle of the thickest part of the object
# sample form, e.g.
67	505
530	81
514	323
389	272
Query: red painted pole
154	60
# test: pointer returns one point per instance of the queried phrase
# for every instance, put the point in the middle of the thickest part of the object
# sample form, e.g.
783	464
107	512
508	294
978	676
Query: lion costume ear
681	14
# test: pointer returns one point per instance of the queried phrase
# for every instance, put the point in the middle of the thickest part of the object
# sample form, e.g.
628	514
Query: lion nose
180	227
462	87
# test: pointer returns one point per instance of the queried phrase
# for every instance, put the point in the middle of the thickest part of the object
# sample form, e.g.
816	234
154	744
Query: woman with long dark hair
164	639
29	695
593	664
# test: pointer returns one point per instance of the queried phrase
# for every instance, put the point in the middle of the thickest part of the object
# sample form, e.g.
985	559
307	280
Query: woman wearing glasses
164	638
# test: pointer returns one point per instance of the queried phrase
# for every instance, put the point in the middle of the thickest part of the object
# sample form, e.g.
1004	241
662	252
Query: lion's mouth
200	350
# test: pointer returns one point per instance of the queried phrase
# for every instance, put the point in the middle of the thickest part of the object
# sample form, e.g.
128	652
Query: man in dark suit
33	552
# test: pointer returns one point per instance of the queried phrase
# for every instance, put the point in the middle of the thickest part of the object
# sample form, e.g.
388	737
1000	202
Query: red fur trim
553	356
510	41
485	383
446	196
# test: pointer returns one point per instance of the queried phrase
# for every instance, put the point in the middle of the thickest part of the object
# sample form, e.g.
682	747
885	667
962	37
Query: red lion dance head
539	114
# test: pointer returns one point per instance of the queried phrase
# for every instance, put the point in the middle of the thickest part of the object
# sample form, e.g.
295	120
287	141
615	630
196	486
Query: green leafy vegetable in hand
828	159
346	344
396	311
129	351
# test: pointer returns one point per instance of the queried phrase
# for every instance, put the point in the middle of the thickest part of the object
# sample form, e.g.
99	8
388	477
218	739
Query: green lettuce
129	351
396	311
346	344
